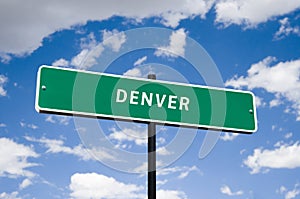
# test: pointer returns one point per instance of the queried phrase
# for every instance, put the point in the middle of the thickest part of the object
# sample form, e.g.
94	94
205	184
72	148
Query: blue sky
254	45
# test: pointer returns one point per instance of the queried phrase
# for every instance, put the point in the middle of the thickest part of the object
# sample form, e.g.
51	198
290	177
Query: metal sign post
151	156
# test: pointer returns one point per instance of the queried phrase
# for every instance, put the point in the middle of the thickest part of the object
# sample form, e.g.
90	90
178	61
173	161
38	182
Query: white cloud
227	191
251	12
286	29
3	81
190	9
184	174
87	57
160	141
58	119
136	135
32	126
275	102
282	156
163	151
242	151
140	61
2	125
102	153
281	79
228	136
113	39
288	135
171	194
50	119
13	195
134	72
61	63
290	194
279	143
4	58
57	146
79	59
143	168
23	124
14	159
172	19
25	183
141	71
176	46
161	182
88	42
259	102
91	49
282	189
182	171
93	185
23	32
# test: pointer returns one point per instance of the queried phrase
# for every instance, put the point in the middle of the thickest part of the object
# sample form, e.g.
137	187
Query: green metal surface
66	91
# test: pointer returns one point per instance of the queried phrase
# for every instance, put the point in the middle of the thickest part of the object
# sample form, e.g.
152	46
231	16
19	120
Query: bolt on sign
91	94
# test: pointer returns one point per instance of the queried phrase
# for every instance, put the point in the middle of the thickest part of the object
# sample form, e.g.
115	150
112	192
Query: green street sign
90	94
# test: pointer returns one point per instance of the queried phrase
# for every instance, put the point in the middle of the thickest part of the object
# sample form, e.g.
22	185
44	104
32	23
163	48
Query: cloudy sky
251	45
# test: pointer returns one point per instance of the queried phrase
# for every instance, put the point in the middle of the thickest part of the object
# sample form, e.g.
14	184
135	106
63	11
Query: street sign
83	93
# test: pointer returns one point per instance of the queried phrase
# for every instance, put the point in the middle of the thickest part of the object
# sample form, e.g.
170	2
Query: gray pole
151	156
